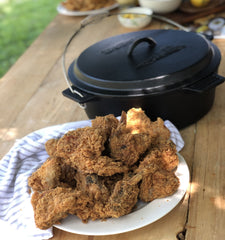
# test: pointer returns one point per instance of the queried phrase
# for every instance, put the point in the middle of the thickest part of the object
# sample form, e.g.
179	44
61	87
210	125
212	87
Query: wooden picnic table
31	99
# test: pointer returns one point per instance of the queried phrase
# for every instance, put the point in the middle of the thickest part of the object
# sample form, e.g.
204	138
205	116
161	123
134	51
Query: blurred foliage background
21	21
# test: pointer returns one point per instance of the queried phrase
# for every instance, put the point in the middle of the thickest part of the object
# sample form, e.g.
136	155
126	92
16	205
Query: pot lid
143	62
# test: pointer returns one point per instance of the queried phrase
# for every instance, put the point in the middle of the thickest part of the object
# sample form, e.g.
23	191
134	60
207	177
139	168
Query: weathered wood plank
207	206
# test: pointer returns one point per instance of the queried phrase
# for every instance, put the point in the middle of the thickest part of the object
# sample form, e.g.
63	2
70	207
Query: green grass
21	21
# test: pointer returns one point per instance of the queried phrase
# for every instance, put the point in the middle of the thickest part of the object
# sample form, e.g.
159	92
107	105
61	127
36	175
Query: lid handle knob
149	40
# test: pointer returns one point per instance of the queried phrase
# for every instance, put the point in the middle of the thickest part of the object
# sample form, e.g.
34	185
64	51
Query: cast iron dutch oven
170	74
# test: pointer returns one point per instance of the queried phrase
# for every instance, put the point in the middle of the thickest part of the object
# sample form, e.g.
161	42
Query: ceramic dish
144	214
161	6
62	10
137	17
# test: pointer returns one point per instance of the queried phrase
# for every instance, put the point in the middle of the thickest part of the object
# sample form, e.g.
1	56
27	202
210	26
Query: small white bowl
136	17
160	6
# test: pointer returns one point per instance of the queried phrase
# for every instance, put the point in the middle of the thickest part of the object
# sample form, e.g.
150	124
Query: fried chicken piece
73	4
121	201
168	155
51	147
106	123
102	166
106	166
53	205
47	176
106	204
126	146
93	185
159	132
82	149
110	181
124	197
165	156
139	122
158	184
115	200
158	179
86	5
51	174
67	177
88	141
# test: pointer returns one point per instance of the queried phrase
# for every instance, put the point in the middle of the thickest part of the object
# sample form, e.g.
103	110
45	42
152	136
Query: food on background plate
103	170
200	3
86	5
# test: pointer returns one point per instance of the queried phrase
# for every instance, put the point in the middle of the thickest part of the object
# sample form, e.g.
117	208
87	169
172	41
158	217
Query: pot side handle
205	84
77	98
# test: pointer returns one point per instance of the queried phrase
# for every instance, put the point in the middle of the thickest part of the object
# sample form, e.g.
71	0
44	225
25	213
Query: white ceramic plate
62	10
142	216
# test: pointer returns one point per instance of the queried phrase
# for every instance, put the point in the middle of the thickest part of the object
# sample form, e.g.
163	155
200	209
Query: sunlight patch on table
219	202
194	187
7	134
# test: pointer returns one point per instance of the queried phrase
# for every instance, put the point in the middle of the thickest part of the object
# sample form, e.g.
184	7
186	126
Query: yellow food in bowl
200	3
133	16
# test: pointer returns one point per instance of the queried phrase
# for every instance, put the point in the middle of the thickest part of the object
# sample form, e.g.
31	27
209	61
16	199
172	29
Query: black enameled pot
170	74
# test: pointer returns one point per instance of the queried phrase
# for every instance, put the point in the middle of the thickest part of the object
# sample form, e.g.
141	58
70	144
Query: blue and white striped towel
25	157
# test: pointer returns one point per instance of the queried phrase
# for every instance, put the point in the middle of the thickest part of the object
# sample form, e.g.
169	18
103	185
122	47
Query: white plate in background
62	10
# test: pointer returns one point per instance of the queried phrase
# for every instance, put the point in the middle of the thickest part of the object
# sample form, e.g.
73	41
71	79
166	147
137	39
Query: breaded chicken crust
86	5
